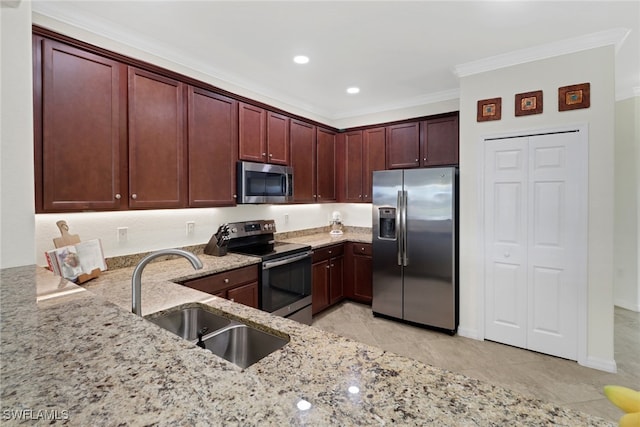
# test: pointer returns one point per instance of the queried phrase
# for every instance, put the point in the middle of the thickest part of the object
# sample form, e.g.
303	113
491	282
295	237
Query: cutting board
65	239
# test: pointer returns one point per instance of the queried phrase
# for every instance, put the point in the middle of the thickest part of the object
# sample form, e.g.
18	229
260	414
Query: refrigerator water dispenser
387	224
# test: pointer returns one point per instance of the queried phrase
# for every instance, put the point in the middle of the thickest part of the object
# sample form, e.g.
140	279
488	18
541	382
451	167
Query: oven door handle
270	264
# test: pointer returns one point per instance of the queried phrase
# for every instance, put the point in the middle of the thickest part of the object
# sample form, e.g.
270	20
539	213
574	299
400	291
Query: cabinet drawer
361	248
217	282
328	252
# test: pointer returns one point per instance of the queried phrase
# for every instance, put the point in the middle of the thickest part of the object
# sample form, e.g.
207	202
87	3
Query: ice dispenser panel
387	224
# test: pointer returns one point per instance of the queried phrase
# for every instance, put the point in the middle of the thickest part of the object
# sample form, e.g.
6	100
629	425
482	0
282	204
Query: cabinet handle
235	196
332	265
314	195
118	196
328	266
425	159
226	281
330	252
359	196
270	155
362	249
417	160
134	196
264	154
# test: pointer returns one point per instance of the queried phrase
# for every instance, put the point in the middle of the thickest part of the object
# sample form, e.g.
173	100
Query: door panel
535	231
505	241
555	168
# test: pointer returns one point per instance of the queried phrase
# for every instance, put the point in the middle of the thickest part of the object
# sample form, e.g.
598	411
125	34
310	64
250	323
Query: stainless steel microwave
264	183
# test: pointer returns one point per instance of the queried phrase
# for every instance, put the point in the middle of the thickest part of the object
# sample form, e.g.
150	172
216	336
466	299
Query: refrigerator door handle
405	258
399	232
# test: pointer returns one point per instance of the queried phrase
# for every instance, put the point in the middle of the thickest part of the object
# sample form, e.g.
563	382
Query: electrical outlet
191	227
122	234
286	218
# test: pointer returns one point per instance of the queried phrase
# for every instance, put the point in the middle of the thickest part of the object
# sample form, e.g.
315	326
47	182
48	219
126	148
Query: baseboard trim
469	333
627	305
600	364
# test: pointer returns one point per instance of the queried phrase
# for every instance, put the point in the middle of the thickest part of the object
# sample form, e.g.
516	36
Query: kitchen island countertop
82	355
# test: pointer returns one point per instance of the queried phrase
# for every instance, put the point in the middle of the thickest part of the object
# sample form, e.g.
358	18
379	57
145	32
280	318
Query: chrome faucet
136	280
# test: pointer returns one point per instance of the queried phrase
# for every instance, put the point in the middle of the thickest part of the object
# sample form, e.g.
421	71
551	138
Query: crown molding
590	41
416	101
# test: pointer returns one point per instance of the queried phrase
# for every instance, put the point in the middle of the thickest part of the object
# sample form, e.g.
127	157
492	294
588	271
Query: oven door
286	284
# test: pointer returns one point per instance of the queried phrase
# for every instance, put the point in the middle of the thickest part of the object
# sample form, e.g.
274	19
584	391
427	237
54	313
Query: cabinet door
277	138
320	286
403	146
353	166
212	141
373	159
336	291
252	133
439	141
82	99
245	294
303	161
326	166
157	161
362	278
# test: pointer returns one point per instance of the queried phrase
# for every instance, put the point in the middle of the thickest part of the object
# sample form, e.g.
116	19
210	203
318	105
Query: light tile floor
549	378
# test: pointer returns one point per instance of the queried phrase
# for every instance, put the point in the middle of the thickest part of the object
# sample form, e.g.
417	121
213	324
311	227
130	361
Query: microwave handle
285	178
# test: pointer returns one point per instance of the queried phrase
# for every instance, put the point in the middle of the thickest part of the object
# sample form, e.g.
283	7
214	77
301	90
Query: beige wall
597	67
627	209
16	145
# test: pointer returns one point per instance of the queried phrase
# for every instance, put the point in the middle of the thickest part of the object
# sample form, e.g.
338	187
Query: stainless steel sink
233	341
242	345
189	321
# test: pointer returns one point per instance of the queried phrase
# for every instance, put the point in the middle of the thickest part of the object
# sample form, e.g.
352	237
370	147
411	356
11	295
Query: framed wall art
574	97
489	109
529	103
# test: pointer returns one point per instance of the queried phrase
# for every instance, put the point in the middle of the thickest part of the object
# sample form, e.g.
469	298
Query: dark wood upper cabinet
157	161
373	158
252	133
326	166
439	141
353	163
403	146
83	103
277	138
303	160
263	135
212	142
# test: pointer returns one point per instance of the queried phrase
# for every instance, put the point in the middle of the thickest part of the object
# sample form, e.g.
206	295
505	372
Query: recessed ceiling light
300	59
353	90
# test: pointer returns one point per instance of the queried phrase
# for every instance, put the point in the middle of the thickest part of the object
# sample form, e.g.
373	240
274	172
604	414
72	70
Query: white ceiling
400	54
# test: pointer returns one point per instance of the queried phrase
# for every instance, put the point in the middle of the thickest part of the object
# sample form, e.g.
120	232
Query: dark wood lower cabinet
359	274
239	285
327	277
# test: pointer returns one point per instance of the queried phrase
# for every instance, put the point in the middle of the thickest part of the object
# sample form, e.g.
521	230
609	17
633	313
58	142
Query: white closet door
554	239
535	232
506	241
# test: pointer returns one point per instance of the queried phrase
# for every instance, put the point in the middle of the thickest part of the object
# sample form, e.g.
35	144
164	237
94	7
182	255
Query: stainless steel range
285	271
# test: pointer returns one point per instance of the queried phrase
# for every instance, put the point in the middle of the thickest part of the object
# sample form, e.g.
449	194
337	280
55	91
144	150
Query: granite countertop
80	355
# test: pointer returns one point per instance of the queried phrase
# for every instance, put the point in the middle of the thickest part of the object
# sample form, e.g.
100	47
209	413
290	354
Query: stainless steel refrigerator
415	254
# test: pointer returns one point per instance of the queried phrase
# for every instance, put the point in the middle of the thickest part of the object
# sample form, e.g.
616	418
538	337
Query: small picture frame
574	97
489	109
528	103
